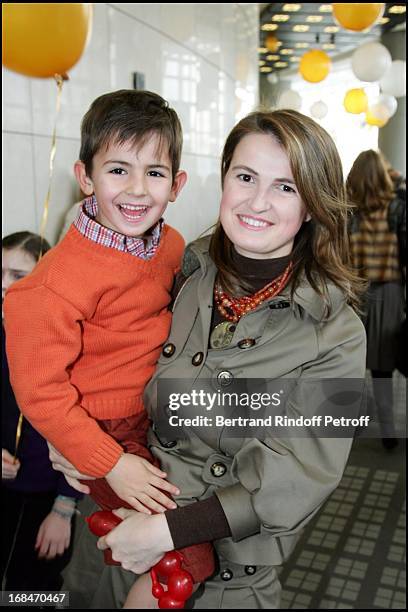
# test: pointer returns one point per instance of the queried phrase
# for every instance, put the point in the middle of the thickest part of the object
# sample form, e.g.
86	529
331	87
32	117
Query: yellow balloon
355	101
314	66
357	16
373	120
271	43
41	40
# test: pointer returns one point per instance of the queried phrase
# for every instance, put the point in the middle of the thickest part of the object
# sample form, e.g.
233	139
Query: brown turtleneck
204	521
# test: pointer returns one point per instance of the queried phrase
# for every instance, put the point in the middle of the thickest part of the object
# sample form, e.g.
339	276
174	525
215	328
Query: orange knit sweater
84	332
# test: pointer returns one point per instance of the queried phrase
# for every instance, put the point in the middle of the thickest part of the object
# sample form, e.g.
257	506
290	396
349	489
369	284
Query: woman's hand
53	536
72	476
9	468
139	542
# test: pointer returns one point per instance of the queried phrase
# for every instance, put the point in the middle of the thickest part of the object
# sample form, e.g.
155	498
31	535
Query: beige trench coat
269	489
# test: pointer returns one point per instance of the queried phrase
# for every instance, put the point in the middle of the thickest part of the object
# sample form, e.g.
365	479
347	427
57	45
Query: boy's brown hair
128	115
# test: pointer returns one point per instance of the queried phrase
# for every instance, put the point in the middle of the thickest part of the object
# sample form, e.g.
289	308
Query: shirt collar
90	228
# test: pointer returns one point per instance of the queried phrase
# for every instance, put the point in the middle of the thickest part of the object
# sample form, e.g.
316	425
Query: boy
97	315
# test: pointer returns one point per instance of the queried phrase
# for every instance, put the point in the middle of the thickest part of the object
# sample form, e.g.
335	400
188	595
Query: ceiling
280	20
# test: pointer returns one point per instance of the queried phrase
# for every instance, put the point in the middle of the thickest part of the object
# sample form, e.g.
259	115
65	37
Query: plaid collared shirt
85	223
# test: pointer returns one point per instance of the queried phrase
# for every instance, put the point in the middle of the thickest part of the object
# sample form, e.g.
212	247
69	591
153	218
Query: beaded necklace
232	308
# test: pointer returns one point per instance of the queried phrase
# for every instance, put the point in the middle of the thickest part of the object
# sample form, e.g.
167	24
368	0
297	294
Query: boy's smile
132	185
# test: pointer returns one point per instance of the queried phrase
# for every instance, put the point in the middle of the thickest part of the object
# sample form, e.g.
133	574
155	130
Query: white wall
202	57
392	137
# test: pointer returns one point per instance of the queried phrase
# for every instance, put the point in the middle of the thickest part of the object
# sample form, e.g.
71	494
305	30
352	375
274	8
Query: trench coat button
225	378
167	444
170	444
218	469
168	350
246	343
250	569
279	305
197	359
226	574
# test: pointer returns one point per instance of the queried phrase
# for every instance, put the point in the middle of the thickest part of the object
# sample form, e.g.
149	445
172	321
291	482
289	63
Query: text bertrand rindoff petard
254	401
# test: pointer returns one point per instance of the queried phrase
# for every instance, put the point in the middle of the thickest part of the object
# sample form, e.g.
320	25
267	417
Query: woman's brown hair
369	185
321	247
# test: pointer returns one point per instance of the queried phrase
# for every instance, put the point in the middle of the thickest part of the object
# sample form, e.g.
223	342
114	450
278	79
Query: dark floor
352	554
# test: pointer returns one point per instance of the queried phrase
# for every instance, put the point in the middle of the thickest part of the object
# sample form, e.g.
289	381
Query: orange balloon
314	66
355	101
357	16
41	40
271	43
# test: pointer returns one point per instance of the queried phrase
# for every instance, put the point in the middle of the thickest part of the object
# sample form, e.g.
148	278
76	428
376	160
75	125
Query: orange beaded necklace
233	309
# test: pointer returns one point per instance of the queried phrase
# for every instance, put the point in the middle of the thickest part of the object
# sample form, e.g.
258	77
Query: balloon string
18	436
59	80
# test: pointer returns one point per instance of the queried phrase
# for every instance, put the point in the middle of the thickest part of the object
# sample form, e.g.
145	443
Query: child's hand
137	481
53	536
9	468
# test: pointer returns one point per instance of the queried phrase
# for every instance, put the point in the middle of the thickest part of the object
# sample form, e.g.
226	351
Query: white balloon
272	78
290	99
394	80
371	61
319	109
389	102
379	111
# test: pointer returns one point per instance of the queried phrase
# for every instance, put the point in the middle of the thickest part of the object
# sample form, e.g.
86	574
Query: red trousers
131	434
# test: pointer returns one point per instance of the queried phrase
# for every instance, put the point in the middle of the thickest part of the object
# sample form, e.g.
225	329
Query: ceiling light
331	29
397	9
294	58
262	62
314	18
281	64
269	27
300	28
291	8
325	8
272	58
262	49
384	20
280	18
329	46
266	69
301	45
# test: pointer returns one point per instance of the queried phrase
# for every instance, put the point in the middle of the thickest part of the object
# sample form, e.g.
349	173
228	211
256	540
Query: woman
267	296
37	503
378	230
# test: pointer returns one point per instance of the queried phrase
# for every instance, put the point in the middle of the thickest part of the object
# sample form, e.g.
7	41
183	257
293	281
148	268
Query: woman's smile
254	223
